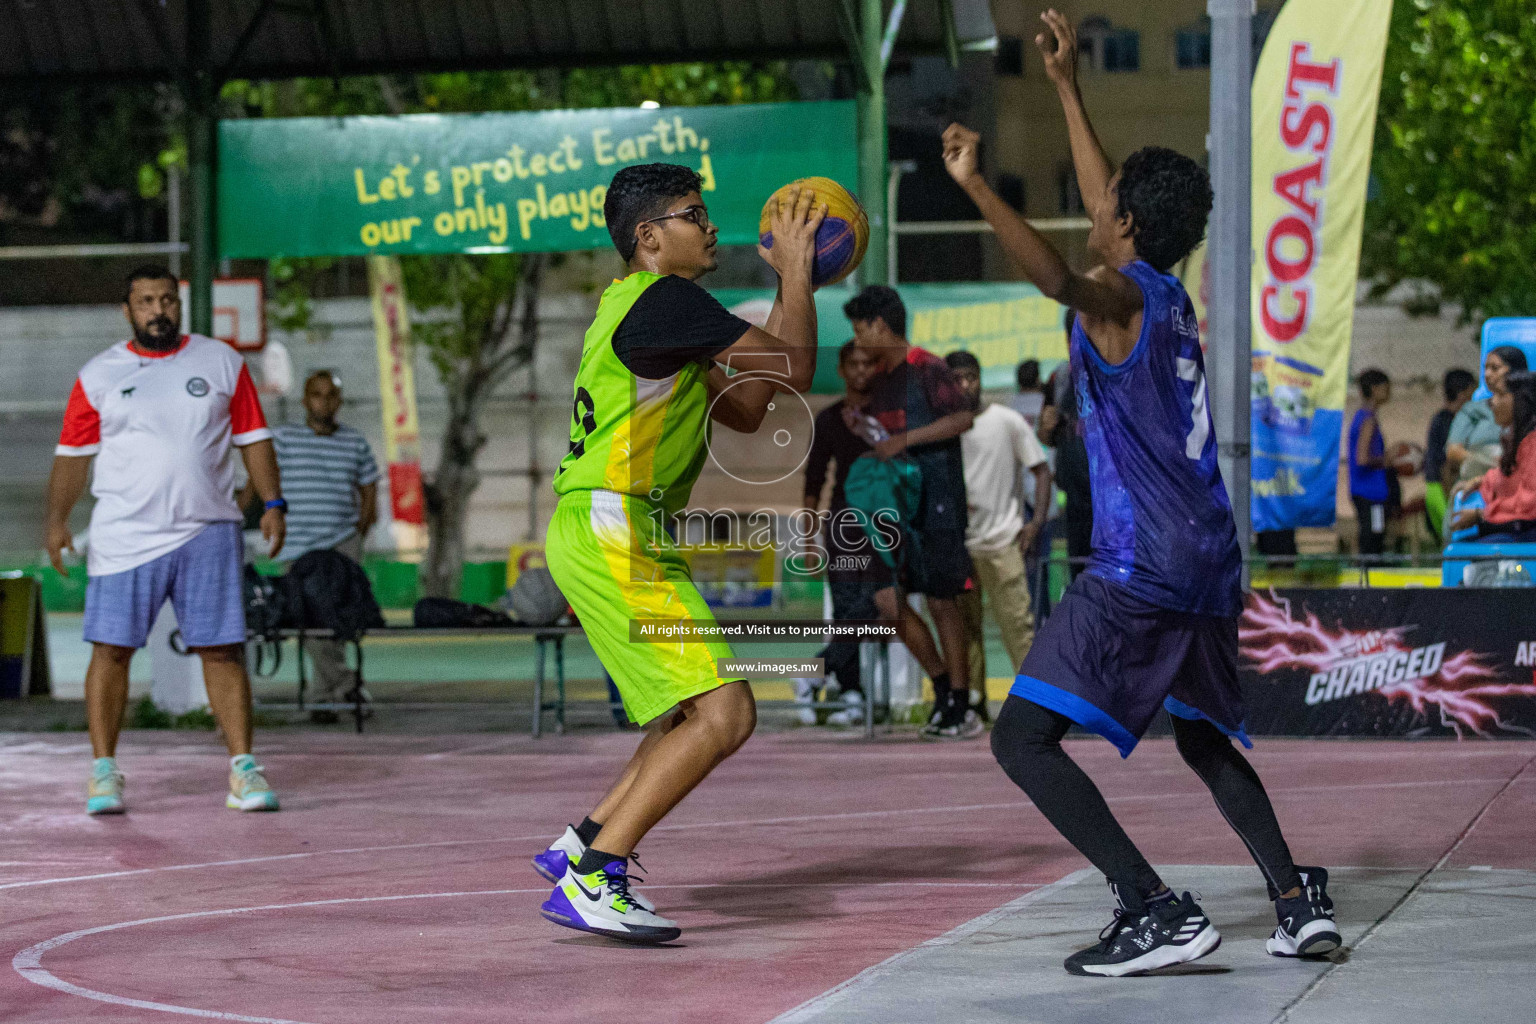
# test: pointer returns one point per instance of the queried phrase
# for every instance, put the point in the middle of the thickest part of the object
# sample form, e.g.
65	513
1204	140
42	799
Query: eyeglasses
696	215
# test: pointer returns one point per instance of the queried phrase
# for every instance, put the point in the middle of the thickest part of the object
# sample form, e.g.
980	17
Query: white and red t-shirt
160	426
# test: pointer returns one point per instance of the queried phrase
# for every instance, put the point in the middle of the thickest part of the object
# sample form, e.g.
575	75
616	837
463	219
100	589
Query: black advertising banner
1386	662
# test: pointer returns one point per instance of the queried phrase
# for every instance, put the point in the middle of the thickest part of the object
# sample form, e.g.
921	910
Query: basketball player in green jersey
651	379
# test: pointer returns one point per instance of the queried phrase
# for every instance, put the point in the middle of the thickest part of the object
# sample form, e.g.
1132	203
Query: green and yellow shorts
615	563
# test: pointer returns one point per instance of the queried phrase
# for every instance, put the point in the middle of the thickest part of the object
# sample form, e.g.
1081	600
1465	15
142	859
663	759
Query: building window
1010	56
1108	48
1069	201
1192	46
1010	189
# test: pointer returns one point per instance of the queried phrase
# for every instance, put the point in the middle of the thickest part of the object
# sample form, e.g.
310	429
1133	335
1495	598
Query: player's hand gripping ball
842	237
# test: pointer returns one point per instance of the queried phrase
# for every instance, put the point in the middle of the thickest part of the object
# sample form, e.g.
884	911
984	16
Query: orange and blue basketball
842	237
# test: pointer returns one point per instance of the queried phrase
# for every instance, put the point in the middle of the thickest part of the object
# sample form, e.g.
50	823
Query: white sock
235	762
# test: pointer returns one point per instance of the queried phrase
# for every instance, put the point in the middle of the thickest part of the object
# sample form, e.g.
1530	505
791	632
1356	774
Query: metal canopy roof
147	39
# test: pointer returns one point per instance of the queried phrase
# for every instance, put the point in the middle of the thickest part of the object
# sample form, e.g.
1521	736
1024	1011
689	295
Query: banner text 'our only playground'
524	182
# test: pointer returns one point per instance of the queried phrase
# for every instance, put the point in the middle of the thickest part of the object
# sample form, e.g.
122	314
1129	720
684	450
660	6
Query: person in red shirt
918	406
159	414
1508	515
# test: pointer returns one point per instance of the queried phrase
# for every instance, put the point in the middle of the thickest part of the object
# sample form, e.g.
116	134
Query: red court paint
802	862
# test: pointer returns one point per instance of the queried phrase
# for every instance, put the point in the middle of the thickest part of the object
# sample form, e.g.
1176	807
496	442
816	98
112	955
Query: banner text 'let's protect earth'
503	182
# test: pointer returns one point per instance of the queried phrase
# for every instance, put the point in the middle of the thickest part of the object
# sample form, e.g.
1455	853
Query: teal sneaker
104	793
248	788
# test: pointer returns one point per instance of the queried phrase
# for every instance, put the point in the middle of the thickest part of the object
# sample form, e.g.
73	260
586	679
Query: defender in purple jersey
1152	623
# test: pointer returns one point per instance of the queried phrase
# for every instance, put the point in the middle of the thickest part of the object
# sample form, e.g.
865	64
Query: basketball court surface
817	879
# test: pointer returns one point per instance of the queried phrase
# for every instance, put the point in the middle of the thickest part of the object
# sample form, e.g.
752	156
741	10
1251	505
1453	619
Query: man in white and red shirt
159	413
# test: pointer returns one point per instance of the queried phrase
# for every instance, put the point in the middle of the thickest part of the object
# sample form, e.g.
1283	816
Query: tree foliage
87	158
1454	167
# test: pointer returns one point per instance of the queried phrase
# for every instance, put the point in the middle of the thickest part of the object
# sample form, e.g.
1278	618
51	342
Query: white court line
474	748
29	962
692	826
809	1009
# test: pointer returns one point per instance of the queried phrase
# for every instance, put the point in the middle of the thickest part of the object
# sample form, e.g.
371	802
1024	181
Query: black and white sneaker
1163	933
1307	927
958	723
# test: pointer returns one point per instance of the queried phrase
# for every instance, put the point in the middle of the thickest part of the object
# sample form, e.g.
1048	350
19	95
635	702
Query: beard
162	334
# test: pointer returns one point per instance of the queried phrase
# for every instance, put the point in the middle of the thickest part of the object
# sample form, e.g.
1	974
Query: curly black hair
878	302
1168	196
640	192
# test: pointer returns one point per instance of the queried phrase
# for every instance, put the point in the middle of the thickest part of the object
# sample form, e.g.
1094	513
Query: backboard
239	311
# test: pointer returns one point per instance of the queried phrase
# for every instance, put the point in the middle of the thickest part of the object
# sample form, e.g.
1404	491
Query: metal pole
534	532
872	141
1230	253
893	186
173	216
202	138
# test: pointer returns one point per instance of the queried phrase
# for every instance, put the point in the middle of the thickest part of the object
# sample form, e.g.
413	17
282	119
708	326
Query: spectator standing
850	568
1474	444
1508	515
1368	485
1457	388
332	486
915	400
1031	398
159	414
1000	452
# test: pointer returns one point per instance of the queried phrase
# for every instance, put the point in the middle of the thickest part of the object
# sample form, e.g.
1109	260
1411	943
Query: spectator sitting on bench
1473	443
332	486
1508	515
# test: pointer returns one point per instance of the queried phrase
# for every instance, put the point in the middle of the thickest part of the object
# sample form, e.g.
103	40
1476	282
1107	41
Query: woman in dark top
1457	387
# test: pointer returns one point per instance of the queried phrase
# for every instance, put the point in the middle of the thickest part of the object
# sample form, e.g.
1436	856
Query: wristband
277	503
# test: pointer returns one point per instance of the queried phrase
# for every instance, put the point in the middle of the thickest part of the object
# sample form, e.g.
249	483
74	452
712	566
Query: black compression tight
1027	744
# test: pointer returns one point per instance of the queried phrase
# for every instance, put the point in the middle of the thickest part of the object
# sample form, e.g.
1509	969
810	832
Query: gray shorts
202	579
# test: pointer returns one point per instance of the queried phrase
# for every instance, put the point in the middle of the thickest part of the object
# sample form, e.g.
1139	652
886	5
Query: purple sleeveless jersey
1162	522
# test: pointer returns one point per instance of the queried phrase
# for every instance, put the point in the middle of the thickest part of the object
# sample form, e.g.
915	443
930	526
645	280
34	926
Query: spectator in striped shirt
332	484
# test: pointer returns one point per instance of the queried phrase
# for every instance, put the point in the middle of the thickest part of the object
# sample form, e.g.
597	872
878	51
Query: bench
546	638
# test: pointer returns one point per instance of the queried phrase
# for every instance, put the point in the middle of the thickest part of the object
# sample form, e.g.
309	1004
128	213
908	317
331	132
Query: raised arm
787	356
1103	294
1058	48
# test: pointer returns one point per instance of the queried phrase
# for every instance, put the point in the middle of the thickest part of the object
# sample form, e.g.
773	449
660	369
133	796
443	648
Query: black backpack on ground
444	612
333	594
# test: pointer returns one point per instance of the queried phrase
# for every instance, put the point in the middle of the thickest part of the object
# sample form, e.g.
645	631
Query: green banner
1000	324
505	182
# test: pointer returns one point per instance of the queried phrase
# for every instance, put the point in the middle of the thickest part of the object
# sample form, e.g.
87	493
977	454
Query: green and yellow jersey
645	435
639	437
